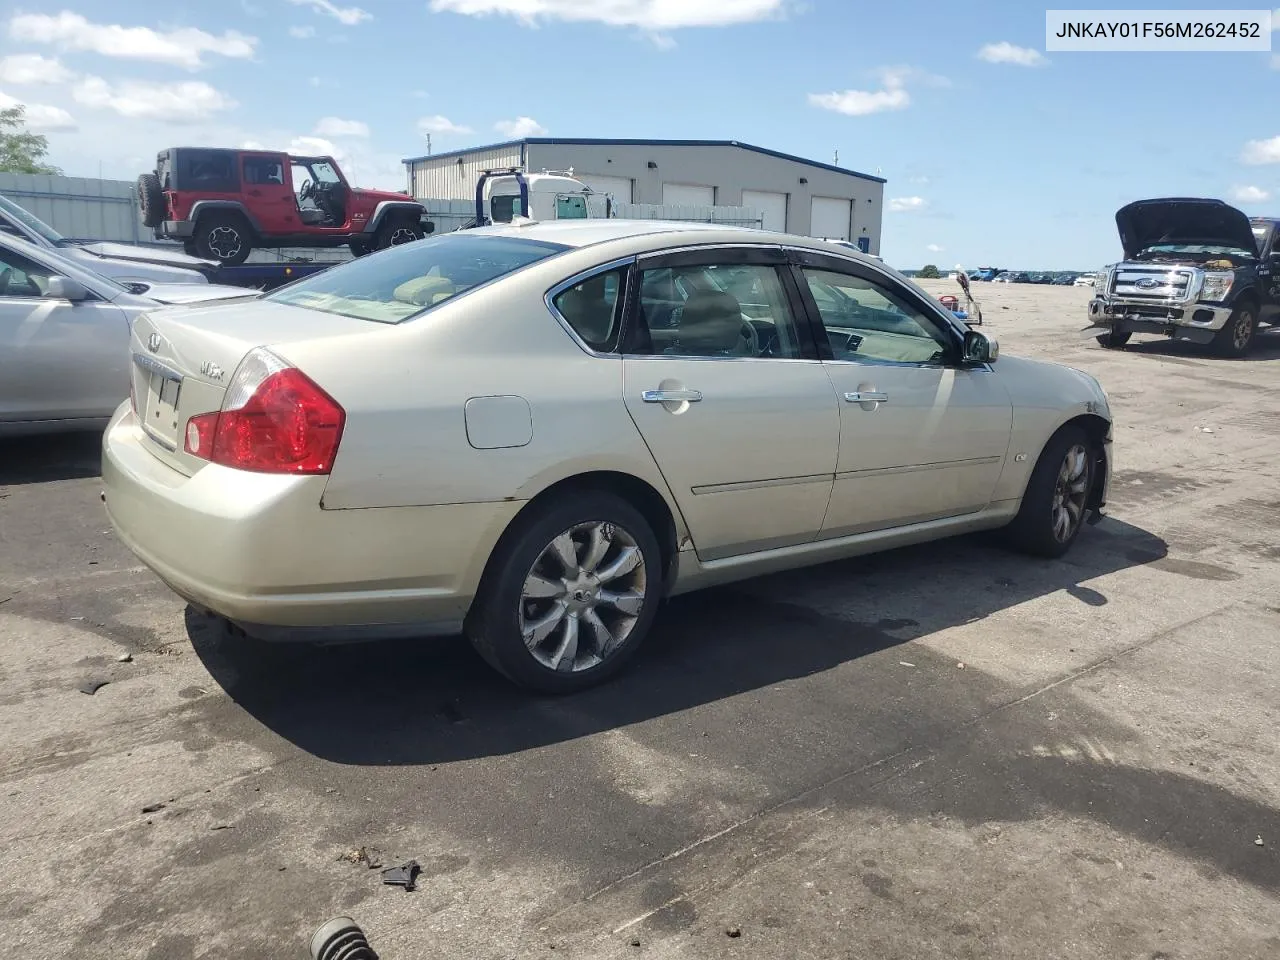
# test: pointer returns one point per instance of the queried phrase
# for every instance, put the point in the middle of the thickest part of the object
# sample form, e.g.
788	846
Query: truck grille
1151	284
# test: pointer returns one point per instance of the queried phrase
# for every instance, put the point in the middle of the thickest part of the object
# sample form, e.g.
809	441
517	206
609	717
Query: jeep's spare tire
150	200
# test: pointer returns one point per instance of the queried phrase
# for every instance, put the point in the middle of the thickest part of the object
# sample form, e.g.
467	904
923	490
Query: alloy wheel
1242	332
402	235
224	242
583	596
1070	492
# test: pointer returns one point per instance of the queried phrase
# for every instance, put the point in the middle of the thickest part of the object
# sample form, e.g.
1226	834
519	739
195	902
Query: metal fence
449	215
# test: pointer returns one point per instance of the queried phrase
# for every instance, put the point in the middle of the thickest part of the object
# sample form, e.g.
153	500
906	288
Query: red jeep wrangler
223	203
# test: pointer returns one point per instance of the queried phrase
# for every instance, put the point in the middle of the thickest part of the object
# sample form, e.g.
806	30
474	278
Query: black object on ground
404	875
341	939
153	808
93	685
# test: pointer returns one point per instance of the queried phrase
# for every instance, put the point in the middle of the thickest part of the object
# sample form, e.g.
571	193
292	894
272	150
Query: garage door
687	195
617	187
772	205
830	218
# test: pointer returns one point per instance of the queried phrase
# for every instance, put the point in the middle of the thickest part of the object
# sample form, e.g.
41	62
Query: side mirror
980	348
64	288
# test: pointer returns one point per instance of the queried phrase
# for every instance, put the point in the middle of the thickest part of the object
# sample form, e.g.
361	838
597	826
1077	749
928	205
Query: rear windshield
404	281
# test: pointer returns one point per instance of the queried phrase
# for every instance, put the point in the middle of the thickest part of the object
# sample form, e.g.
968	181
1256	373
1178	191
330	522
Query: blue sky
1010	157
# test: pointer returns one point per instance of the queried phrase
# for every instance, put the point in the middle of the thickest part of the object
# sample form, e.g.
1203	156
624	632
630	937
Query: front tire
1055	504
1113	340
569	594
358	247
224	237
1235	340
396	232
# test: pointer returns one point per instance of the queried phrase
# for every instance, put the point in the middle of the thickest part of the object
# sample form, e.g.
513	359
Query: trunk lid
1183	220
183	359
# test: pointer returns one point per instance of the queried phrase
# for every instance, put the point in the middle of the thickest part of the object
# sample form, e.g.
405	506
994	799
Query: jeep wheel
223	237
1236	338
396	232
150	200
359	247
1113	340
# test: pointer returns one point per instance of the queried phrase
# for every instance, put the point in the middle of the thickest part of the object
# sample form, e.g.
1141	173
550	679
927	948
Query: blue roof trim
593	142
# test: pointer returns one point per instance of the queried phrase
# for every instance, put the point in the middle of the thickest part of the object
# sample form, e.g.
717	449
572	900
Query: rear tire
151	203
569	594
224	237
1055	504
1235	340
1113	340
396	232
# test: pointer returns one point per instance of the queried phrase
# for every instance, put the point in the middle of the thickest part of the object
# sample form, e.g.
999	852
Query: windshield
30	221
404	281
324	172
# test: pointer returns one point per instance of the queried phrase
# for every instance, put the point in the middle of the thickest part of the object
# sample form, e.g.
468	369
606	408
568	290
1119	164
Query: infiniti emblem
1149	283
153	342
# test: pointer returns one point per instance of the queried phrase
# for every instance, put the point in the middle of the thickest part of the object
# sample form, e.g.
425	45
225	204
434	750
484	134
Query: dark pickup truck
1193	269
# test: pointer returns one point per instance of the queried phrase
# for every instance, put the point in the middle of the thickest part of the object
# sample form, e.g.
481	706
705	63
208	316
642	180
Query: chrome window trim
550	296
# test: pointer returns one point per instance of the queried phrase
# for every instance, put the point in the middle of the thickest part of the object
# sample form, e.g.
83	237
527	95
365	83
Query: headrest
711	323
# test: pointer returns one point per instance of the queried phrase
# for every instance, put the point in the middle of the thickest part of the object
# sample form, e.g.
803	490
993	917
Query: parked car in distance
1064	279
1194	269
223	204
1085	280
537	432
130	264
64	337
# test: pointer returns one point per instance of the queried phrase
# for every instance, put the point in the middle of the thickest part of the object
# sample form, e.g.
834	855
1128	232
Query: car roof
589	232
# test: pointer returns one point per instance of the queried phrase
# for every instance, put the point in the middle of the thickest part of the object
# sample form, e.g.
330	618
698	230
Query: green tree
20	150
929	272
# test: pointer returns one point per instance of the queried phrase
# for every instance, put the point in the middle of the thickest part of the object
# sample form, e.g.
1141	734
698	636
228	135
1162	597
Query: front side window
870	321
715	310
20	277
405	280
593	308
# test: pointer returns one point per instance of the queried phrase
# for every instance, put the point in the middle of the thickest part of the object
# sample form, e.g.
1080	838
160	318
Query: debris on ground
960	665
404	875
125	658
222	826
733	933
903	663
1259	842
78	619
635	941
93	685
153	808
371	857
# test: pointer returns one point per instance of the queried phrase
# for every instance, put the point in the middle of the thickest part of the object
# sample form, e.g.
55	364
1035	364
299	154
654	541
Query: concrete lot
947	751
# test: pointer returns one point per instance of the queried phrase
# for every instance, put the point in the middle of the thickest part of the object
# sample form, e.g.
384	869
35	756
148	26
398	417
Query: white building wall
455	177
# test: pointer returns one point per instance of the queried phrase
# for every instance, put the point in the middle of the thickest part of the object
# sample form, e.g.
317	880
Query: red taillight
275	419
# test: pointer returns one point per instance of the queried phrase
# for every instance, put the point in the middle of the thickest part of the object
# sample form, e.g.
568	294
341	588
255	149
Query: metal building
792	194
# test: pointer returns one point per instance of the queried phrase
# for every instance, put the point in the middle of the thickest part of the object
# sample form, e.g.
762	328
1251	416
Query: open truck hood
1188	220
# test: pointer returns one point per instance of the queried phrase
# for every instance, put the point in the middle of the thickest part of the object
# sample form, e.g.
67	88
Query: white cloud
1250	194
858	103
645	14
187	102
934	248
39	117
1005	52
302	33
183	47
920	180
28	69
313	146
439	124
663	41
901	75
907	204
1258	152
520	127
347	16
337	127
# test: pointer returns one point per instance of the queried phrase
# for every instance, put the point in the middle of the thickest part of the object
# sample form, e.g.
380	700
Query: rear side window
404	281
210	171
593	308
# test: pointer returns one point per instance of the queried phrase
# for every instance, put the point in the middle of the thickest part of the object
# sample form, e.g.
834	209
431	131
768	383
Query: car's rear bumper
176	229
259	550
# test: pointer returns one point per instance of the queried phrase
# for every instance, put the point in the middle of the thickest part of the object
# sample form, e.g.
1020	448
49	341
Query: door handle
867	396
671	396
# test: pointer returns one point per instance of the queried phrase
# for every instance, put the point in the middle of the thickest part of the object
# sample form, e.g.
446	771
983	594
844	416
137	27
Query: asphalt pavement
949	750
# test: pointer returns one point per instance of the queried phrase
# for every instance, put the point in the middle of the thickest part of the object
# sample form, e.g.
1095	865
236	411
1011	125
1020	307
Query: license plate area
159	393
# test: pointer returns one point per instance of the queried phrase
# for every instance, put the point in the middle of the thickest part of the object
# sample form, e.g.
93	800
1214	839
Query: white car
535	433
1086	280
64	337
